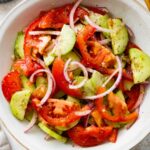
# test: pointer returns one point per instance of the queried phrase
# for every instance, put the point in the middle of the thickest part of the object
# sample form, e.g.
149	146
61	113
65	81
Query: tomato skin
90	136
57	71
133	96
56	18
113	136
26	66
59	112
11	83
119	111
28	42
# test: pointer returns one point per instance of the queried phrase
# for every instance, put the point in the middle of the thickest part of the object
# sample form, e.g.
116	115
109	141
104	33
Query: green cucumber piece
19	43
19	102
52	133
27	84
66	41
140	64
48	59
119	36
100	20
65	44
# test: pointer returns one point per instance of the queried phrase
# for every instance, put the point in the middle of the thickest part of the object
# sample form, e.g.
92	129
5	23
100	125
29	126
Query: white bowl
133	15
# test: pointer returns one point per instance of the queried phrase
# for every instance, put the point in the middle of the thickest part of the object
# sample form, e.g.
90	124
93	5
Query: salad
77	75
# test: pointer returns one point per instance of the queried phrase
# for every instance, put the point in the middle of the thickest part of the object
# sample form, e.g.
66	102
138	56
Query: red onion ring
71	16
44	32
105	41
79	65
50	84
110	77
114	85
66	70
83	113
96	26
32	123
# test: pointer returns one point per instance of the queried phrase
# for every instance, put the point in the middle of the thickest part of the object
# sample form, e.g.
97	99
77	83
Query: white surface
3	10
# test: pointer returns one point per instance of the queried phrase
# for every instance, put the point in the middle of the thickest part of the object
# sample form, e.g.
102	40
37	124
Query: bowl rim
136	141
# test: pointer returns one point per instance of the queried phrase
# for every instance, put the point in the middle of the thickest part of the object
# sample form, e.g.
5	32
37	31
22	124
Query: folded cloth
4	144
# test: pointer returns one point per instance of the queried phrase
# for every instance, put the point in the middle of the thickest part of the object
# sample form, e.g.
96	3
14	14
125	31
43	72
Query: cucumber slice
19	43
119	36
66	41
19	102
51	133
140	64
65	44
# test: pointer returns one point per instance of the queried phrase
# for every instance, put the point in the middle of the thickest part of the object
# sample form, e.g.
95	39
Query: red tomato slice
133	96
26	66
57	17
57	71
94	54
114	135
11	83
29	41
89	136
118	110
59	112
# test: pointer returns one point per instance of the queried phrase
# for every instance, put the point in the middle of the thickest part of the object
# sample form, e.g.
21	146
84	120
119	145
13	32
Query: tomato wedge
57	71
133	96
29	42
89	136
119	110
114	135
11	83
59	113
26	66
94	54
57	17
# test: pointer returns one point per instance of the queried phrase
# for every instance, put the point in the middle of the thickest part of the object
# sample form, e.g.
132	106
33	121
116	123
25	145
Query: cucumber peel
19	102
52	133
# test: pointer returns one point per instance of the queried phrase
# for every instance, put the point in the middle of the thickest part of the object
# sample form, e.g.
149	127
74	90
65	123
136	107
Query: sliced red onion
44	32
47	69
66	70
50	84
110	77
140	99
83	113
79	65
114	85
96	26
82	67
71	16
90	70
32	123
105	41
